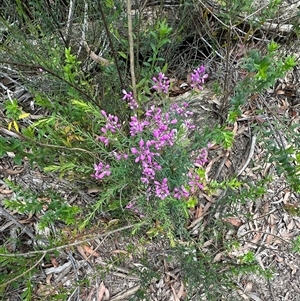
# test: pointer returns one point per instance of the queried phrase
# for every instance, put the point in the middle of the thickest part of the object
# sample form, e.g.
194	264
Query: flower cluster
162	83
162	189
101	170
154	136
197	78
194	182
133	105
145	156
133	207
136	126
199	157
112	125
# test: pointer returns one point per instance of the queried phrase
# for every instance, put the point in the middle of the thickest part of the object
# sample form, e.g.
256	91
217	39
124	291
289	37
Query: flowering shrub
157	162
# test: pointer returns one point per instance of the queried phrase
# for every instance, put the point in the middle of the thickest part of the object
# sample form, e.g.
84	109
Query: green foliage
14	271
263	71
71	67
12	145
222	136
159	38
14	112
296	245
49	206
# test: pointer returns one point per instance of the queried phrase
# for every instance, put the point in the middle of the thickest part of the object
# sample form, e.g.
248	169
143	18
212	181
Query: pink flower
161	189
131	101
197	78
101	171
194	182
180	192
137	126
104	140
162	83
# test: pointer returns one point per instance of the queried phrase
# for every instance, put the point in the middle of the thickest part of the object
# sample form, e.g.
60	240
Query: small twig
111	43
94	56
126	294
250	155
131	49
70	22
27	271
17	223
71	244
221	165
37	67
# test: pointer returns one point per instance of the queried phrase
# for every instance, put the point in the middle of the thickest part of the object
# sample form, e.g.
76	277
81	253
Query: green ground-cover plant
263	71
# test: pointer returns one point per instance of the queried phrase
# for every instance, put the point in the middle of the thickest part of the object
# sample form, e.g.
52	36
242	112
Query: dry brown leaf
256	238
101	291
181	290
93	190
279	92
235	128
243	295
90	251
248	287
13	172
234	221
5	191
54	262
199	211
206	207
106	295
174	294
48	279
291	225
206	197
228	163
218	257
270	238
82	253
119	252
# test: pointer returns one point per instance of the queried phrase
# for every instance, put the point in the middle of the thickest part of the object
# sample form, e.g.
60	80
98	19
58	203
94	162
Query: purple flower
164	137
197	78
119	156
136	126
132	206
188	124
181	110
161	189
144	153
131	101
200	157
194	182
162	83
146	158
180	192
111	123
148	172
101	171
104	140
